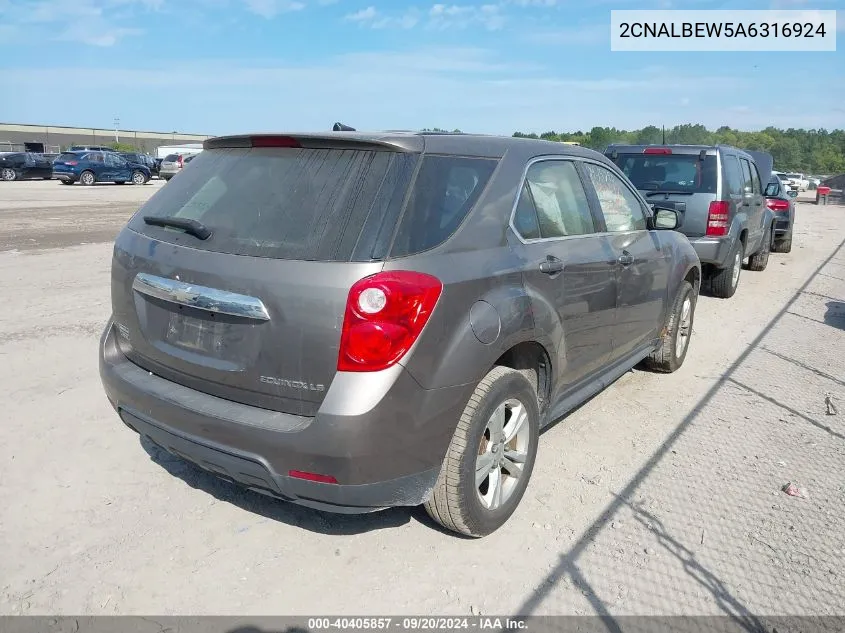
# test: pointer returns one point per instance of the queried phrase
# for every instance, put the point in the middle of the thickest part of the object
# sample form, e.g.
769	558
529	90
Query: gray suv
356	321
719	192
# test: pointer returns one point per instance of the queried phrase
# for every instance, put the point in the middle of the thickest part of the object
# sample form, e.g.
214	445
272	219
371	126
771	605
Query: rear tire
138	178
725	281
670	355
783	246
496	435
759	260
87	178
66	182
8	174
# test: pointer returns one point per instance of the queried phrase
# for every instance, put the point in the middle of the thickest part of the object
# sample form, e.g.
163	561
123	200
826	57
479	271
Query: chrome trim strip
200	297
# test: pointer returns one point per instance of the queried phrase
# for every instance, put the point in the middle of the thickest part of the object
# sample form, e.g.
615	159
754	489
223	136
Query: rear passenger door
640	265
569	269
752	203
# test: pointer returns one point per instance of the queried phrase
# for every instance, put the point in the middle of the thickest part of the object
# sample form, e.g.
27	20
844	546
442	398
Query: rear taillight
385	314
72	163
180	160
777	205
717	218
657	150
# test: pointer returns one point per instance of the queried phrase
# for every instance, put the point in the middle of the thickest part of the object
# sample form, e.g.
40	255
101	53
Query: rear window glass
66	156
171	158
446	189
675	172
305	204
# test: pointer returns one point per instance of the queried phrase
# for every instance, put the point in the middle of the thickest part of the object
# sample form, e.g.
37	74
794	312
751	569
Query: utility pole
664	135
116	127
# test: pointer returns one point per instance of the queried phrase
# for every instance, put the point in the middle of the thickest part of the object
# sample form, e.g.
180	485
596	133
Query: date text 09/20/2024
418	624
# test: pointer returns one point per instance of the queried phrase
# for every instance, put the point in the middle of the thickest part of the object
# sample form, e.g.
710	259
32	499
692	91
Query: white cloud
271	8
364	15
372	18
444	16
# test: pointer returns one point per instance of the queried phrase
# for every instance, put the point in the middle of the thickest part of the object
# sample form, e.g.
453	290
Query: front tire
491	456
759	260
8	174
674	344
724	281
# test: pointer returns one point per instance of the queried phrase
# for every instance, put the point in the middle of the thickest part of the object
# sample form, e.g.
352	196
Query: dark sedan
24	165
782	203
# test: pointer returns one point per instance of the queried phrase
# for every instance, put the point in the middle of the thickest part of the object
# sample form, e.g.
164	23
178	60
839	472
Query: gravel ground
660	496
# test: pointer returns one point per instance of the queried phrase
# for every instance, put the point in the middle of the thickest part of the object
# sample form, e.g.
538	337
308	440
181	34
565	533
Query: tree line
818	152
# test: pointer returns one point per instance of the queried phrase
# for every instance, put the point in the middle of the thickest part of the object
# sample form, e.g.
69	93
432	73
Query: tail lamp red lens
385	314
777	205
323	479
717	218
274	141
180	160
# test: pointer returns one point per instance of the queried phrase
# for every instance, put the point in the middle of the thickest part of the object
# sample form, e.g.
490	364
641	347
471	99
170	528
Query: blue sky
496	66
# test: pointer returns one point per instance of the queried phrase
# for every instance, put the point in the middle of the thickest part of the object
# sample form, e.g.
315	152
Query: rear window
684	173
66	156
305	204
171	158
319	204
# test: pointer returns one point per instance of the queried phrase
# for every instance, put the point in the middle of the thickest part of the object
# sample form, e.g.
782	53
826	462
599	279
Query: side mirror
666	219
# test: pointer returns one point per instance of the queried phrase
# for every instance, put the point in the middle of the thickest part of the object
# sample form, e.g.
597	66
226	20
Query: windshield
676	172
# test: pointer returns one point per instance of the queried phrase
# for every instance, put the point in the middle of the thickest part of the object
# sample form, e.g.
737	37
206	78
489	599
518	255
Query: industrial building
55	138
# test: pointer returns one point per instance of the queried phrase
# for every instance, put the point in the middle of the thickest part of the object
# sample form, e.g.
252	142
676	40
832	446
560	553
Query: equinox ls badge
293	384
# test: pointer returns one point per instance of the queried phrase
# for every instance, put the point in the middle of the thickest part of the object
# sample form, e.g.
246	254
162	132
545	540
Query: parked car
142	159
798	181
24	166
356	321
782	203
718	192
92	167
173	164
91	148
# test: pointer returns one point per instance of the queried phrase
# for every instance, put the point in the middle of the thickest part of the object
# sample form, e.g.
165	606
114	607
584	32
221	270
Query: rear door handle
626	259
551	266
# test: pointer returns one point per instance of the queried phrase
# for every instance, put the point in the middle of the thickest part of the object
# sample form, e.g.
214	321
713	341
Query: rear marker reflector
323	479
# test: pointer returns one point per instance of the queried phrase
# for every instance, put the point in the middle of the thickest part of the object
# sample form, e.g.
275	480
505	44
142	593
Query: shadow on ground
835	314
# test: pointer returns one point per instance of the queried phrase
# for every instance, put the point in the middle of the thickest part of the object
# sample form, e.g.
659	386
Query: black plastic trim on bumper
255	473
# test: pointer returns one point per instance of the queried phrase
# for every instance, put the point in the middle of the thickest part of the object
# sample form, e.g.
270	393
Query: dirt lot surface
660	496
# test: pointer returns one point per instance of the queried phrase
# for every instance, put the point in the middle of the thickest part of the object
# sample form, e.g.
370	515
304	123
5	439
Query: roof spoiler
340	127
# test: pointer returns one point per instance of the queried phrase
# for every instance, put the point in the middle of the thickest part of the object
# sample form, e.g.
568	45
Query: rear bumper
389	455
65	176
711	250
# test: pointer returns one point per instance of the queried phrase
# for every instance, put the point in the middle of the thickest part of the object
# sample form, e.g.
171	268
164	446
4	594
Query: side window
621	208
747	181
525	219
559	198
445	191
734	175
772	189
755	179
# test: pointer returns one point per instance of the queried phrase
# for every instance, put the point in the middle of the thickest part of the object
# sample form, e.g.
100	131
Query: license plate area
205	335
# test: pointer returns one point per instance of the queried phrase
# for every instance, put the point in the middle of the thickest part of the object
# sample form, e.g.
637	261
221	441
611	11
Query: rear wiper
669	191
192	227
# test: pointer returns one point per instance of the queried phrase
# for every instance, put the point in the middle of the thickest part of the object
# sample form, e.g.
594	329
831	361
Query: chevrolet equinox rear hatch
233	279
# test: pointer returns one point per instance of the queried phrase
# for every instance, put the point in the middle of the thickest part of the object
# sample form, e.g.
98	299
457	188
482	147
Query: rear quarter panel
475	264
